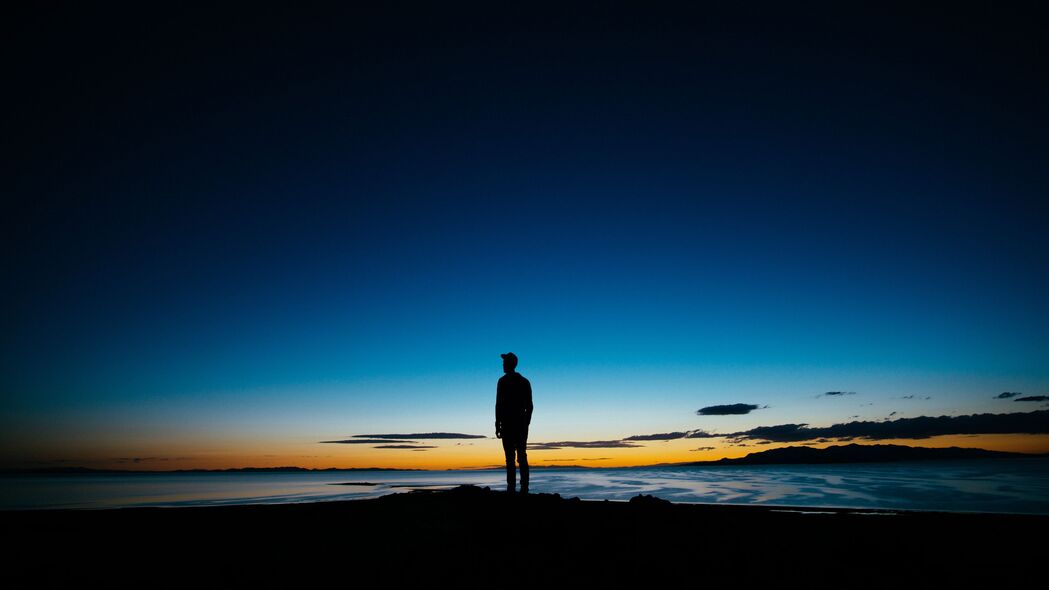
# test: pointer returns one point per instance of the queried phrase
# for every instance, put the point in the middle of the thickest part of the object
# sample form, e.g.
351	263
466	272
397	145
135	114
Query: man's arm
498	409
528	402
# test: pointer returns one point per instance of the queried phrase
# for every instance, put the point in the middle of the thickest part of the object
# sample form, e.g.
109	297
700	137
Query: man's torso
514	402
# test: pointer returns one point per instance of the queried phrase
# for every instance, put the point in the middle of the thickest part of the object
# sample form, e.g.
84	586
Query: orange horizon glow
476	454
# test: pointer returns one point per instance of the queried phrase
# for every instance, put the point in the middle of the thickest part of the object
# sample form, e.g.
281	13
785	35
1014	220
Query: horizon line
81	468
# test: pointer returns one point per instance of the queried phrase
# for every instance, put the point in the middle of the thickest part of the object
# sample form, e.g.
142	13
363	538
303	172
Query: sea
990	485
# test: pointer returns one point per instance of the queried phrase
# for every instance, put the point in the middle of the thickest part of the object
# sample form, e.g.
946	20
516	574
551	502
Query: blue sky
653	222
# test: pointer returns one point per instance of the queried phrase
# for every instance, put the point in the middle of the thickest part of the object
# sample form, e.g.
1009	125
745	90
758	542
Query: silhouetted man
513	414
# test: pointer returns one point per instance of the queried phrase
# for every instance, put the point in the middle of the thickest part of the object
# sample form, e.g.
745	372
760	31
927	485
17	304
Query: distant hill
854	453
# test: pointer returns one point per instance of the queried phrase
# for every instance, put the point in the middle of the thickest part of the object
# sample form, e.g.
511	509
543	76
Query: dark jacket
513	403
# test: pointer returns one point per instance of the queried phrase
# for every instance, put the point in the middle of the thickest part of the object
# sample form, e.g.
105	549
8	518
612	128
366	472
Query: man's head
509	362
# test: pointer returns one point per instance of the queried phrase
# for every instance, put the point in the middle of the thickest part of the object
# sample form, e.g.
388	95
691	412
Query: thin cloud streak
421	436
594	444
662	436
365	441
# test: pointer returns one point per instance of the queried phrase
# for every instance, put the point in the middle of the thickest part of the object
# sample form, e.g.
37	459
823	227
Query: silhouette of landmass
855	453
443	538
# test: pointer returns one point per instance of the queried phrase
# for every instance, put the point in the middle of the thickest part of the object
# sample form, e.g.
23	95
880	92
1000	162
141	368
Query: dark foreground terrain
473	536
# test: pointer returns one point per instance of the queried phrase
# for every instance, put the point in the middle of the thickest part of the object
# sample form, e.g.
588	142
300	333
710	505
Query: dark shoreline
476	535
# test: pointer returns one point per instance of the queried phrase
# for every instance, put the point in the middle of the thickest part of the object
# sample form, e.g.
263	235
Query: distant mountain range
855	453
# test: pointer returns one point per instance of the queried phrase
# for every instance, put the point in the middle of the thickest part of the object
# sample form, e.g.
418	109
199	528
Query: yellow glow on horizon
460	454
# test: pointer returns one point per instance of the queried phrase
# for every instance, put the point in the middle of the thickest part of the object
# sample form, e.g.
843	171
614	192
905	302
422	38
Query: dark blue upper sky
213	203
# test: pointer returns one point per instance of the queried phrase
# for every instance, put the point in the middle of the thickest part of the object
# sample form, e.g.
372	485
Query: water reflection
998	486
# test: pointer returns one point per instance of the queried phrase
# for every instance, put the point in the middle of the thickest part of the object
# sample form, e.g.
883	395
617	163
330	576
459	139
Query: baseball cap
509	356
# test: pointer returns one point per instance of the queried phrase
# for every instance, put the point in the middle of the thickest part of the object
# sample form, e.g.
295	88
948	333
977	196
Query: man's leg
522	460
511	475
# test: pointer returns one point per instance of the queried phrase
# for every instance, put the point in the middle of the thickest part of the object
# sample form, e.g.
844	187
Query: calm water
992	486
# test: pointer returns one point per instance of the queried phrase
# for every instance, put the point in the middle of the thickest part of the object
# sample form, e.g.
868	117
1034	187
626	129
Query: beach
479	536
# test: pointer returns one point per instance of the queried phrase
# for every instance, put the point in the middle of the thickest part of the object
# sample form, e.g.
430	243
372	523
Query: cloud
1032	398
1036	422
366	441
137	460
779	433
663	436
421	436
672	436
558	459
727	410
1007	394
703	449
593	444
703	434
596	459
413	447
837	393
373	439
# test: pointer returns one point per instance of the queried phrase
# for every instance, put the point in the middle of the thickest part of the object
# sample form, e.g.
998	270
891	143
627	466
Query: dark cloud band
905	428
921	427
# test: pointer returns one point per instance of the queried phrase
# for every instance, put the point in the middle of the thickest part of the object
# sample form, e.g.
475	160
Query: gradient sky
231	237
